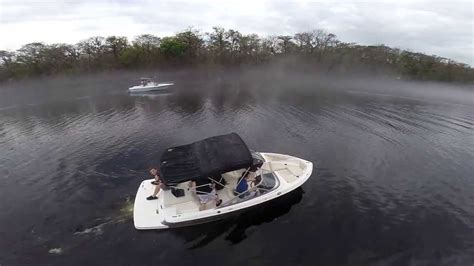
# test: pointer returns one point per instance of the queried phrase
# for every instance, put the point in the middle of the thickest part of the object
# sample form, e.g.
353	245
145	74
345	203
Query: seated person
157	182
255	180
242	185
205	192
254	183
247	180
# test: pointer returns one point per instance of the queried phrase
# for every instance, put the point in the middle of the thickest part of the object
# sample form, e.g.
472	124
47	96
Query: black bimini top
204	158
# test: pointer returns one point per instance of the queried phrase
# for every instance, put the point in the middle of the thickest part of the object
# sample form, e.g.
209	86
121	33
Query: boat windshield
269	182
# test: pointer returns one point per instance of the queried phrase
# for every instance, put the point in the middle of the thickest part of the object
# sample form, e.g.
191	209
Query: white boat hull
154	87
155	214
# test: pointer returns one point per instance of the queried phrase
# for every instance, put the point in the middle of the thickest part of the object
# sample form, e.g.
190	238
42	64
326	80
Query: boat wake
125	214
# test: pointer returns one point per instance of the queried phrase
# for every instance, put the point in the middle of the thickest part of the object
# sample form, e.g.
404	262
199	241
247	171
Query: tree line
220	47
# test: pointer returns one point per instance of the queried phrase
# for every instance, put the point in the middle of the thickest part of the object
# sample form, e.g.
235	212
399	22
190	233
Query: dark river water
393	179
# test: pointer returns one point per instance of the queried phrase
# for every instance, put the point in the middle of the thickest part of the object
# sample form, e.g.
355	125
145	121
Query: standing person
157	182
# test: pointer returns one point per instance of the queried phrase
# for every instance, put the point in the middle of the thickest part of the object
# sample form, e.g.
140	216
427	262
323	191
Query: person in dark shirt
249	179
242	185
157	182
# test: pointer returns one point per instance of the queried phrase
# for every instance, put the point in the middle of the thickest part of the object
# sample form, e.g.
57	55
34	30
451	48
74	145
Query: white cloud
441	28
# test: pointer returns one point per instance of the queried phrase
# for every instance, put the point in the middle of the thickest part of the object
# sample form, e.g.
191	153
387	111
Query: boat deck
145	212
190	202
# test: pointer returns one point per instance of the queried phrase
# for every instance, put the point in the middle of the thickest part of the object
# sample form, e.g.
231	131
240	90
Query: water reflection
234	229
187	103
152	94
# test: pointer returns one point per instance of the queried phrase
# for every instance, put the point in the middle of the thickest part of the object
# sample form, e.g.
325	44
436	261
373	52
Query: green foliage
130	57
172	47
193	43
316	49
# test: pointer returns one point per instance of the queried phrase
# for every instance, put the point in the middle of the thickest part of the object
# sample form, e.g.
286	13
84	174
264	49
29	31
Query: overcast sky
444	28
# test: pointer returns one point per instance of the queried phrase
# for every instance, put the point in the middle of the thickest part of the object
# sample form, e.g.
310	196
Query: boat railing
243	196
193	189
238	196
217	182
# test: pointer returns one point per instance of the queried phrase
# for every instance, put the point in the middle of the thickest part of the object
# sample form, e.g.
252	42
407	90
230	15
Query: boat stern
146	214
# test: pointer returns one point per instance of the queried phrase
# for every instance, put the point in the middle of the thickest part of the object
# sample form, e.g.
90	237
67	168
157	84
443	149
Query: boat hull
161	86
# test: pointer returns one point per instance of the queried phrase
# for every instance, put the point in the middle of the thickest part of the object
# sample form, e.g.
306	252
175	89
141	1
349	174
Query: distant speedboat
148	84
222	160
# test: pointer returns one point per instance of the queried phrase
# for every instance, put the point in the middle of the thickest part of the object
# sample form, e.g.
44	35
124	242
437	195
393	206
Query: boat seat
170	200
287	175
233	175
227	193
295	169
185	207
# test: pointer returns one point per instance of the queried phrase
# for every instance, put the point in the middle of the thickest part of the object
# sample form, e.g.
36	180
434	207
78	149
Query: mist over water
392	185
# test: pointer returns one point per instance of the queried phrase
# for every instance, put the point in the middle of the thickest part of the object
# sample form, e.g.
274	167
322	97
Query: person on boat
157	182
242	185
255	180
205	192
248	180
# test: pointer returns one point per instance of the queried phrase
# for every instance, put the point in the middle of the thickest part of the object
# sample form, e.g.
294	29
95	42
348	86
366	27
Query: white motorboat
148	84
222	160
